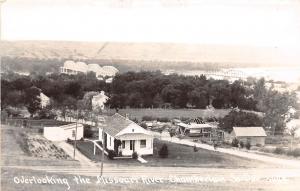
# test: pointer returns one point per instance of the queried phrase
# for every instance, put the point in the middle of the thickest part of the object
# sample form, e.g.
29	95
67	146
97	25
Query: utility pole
75	142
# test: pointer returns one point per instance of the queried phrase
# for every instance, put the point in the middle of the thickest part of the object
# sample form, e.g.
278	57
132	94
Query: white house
64	132
123	135
45	100
99	100
253	135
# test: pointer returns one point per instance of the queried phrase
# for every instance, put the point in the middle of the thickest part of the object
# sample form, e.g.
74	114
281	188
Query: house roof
249	132
116	123
199	126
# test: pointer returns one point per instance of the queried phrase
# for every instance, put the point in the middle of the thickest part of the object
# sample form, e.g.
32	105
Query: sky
250	23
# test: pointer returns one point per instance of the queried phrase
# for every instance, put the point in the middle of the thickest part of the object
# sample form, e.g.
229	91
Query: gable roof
249	132
114	125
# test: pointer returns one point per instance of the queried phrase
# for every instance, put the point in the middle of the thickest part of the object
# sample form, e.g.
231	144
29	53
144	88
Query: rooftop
249	132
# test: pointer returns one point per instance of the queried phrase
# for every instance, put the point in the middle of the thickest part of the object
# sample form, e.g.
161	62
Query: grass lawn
182	155
179	155
171	113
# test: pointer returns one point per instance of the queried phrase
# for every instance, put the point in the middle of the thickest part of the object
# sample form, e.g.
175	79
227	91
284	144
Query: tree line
148	90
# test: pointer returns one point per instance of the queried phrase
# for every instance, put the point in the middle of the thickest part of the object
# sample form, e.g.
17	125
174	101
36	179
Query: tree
275	106
157	101
240	119
292	132
32	100
74	89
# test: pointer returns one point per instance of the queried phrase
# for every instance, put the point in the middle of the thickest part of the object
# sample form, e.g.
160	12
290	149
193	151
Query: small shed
64	132
253	135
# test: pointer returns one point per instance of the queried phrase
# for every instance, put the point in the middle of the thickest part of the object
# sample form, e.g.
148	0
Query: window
109	141
123	144
143	143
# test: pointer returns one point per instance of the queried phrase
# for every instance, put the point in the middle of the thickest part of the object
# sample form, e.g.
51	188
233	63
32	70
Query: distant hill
150	56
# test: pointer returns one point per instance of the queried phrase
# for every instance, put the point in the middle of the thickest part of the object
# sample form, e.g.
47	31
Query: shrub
144	125
294	152
134	155
259	145
242	144
195	148
111	154
278	150
87	131
248	145
235	142
163	152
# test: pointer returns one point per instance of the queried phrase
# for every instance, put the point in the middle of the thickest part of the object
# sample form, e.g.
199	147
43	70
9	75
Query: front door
132	145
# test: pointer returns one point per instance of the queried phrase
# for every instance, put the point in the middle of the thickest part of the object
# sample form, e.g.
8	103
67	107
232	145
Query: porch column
94	149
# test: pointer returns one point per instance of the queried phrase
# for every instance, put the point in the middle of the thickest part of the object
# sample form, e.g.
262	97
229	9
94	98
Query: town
150	95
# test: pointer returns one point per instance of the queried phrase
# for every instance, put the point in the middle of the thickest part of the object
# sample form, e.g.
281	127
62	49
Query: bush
242	144
111	154
163	152
259	145
87	131
134	155
294	152
235	142
248	145
144	125
195	148
279	150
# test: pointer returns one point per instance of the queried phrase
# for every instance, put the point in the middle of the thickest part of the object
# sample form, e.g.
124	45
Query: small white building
123	135
99	100
45	100
253	135
64	132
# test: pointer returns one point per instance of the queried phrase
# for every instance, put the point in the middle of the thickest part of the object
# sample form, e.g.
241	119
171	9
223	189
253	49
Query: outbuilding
64	132
122	135
253	135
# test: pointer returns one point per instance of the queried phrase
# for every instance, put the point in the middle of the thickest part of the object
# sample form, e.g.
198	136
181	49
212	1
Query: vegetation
241	144
111	154
134	155
248	145
151	90
240	119
163	152
235	142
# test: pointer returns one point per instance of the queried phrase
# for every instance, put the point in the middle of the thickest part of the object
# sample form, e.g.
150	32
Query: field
172	113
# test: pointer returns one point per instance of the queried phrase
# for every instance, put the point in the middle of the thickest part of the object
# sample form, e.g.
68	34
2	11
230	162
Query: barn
253	135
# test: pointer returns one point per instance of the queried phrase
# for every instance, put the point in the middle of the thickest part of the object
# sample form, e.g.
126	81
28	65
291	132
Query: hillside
148	55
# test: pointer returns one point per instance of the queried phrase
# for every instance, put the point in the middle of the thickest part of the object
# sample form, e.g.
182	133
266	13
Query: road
126	171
